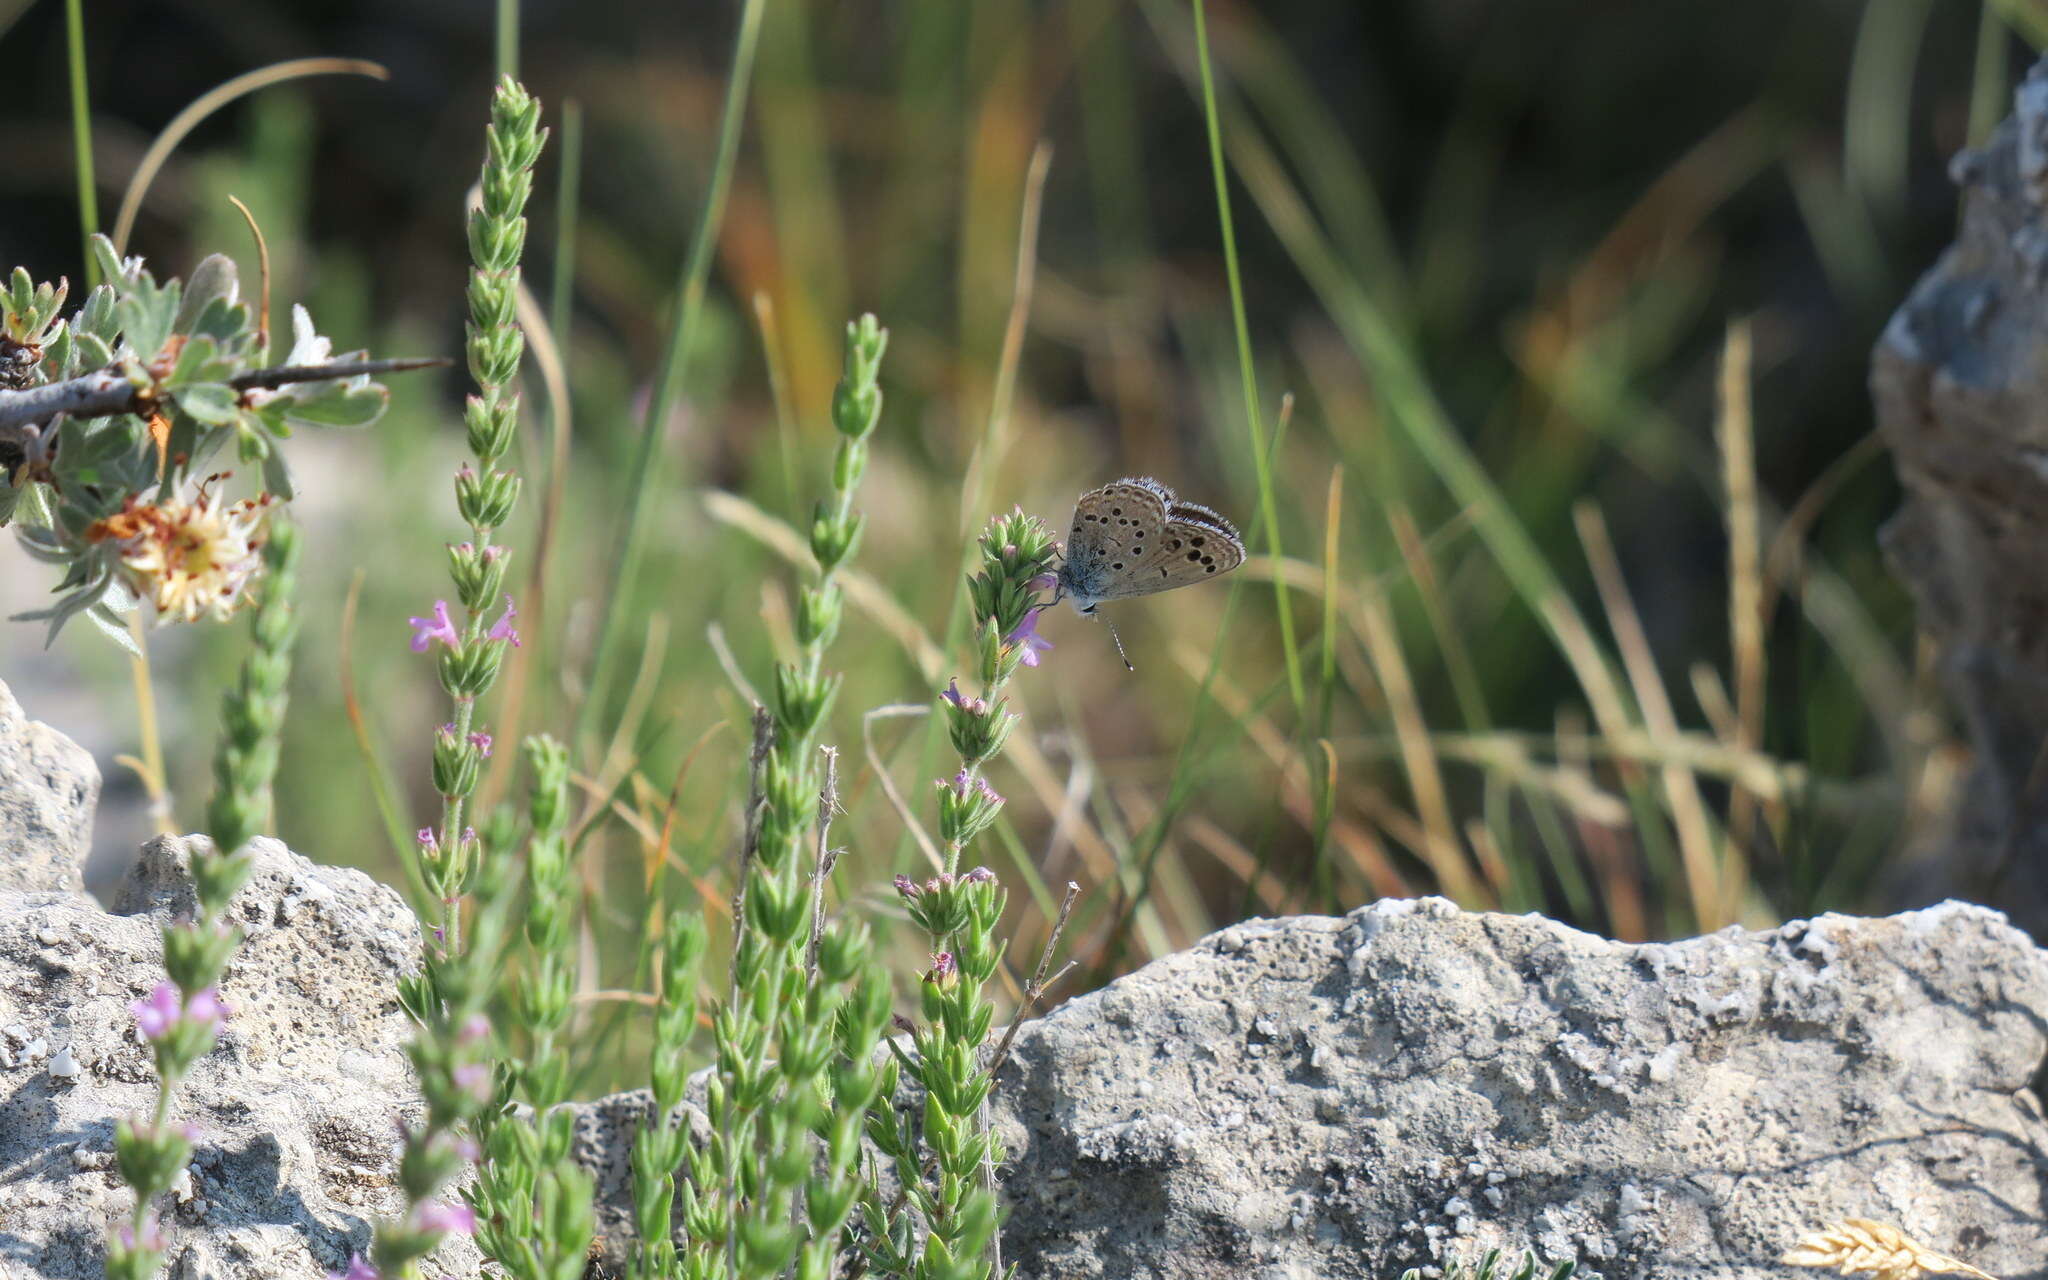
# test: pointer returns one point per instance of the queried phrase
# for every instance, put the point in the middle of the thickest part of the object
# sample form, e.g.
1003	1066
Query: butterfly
1134	537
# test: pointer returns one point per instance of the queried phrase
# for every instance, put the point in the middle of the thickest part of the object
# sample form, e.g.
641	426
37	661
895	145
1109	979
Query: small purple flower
429	842
206	1006
482	742
444	1218
358	1269
474	1030
1027	635
494	553
473	1078
152	1237
908	888
980	875
952	694
155	1016
440	627
1043	582
503	629
944	967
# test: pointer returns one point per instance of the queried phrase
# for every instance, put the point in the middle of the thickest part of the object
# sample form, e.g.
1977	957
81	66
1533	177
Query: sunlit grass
1546	639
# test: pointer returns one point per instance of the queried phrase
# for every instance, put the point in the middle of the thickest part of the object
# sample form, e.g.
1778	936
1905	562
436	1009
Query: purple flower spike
440	627
503	629
155	1016
1027	635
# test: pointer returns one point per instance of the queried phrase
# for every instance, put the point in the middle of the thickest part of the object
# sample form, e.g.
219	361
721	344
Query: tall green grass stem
647	463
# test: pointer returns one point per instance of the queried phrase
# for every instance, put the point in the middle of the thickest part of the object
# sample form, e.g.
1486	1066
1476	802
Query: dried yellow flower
190	559
1858	1246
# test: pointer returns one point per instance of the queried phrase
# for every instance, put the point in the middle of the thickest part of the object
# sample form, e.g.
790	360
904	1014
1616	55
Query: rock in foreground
48	787
297	1110
1320	1097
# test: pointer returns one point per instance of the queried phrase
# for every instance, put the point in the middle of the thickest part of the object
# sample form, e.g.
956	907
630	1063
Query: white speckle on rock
64	1067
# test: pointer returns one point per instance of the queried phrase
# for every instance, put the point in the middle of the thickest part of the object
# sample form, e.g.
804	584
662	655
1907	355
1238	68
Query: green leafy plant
1495	1265
110	415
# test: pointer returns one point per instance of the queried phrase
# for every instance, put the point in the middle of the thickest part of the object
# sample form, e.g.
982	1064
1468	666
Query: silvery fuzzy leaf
42	543
212	403
227	323
213	279
277	474
97	316
148	313
199	360
333	404
110	263
111	626
94	352
59	352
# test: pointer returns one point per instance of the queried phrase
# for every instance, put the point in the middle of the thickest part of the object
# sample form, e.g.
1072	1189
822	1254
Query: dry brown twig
1858	1246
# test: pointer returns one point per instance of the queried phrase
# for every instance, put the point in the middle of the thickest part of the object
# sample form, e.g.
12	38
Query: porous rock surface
297	1109
48	787
1317	1097
1961	392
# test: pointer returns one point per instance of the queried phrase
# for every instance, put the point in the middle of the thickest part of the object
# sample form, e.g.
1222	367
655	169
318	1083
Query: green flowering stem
795	1038
528	1154
946	1170
181	1017
447	998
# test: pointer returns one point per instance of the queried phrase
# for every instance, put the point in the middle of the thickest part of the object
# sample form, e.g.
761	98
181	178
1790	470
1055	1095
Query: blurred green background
1582	625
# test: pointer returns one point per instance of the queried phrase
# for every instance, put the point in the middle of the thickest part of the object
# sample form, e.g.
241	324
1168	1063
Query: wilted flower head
189	559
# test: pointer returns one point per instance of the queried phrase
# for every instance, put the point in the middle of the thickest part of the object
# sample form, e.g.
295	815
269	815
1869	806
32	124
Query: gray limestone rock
1319	1097
48	787
298	1108
1961	392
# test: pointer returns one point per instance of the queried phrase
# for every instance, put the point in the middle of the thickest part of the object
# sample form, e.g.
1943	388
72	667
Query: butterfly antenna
1119	642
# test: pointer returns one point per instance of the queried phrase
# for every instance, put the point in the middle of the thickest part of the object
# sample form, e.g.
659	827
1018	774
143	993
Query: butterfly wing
1115	528
1193	545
